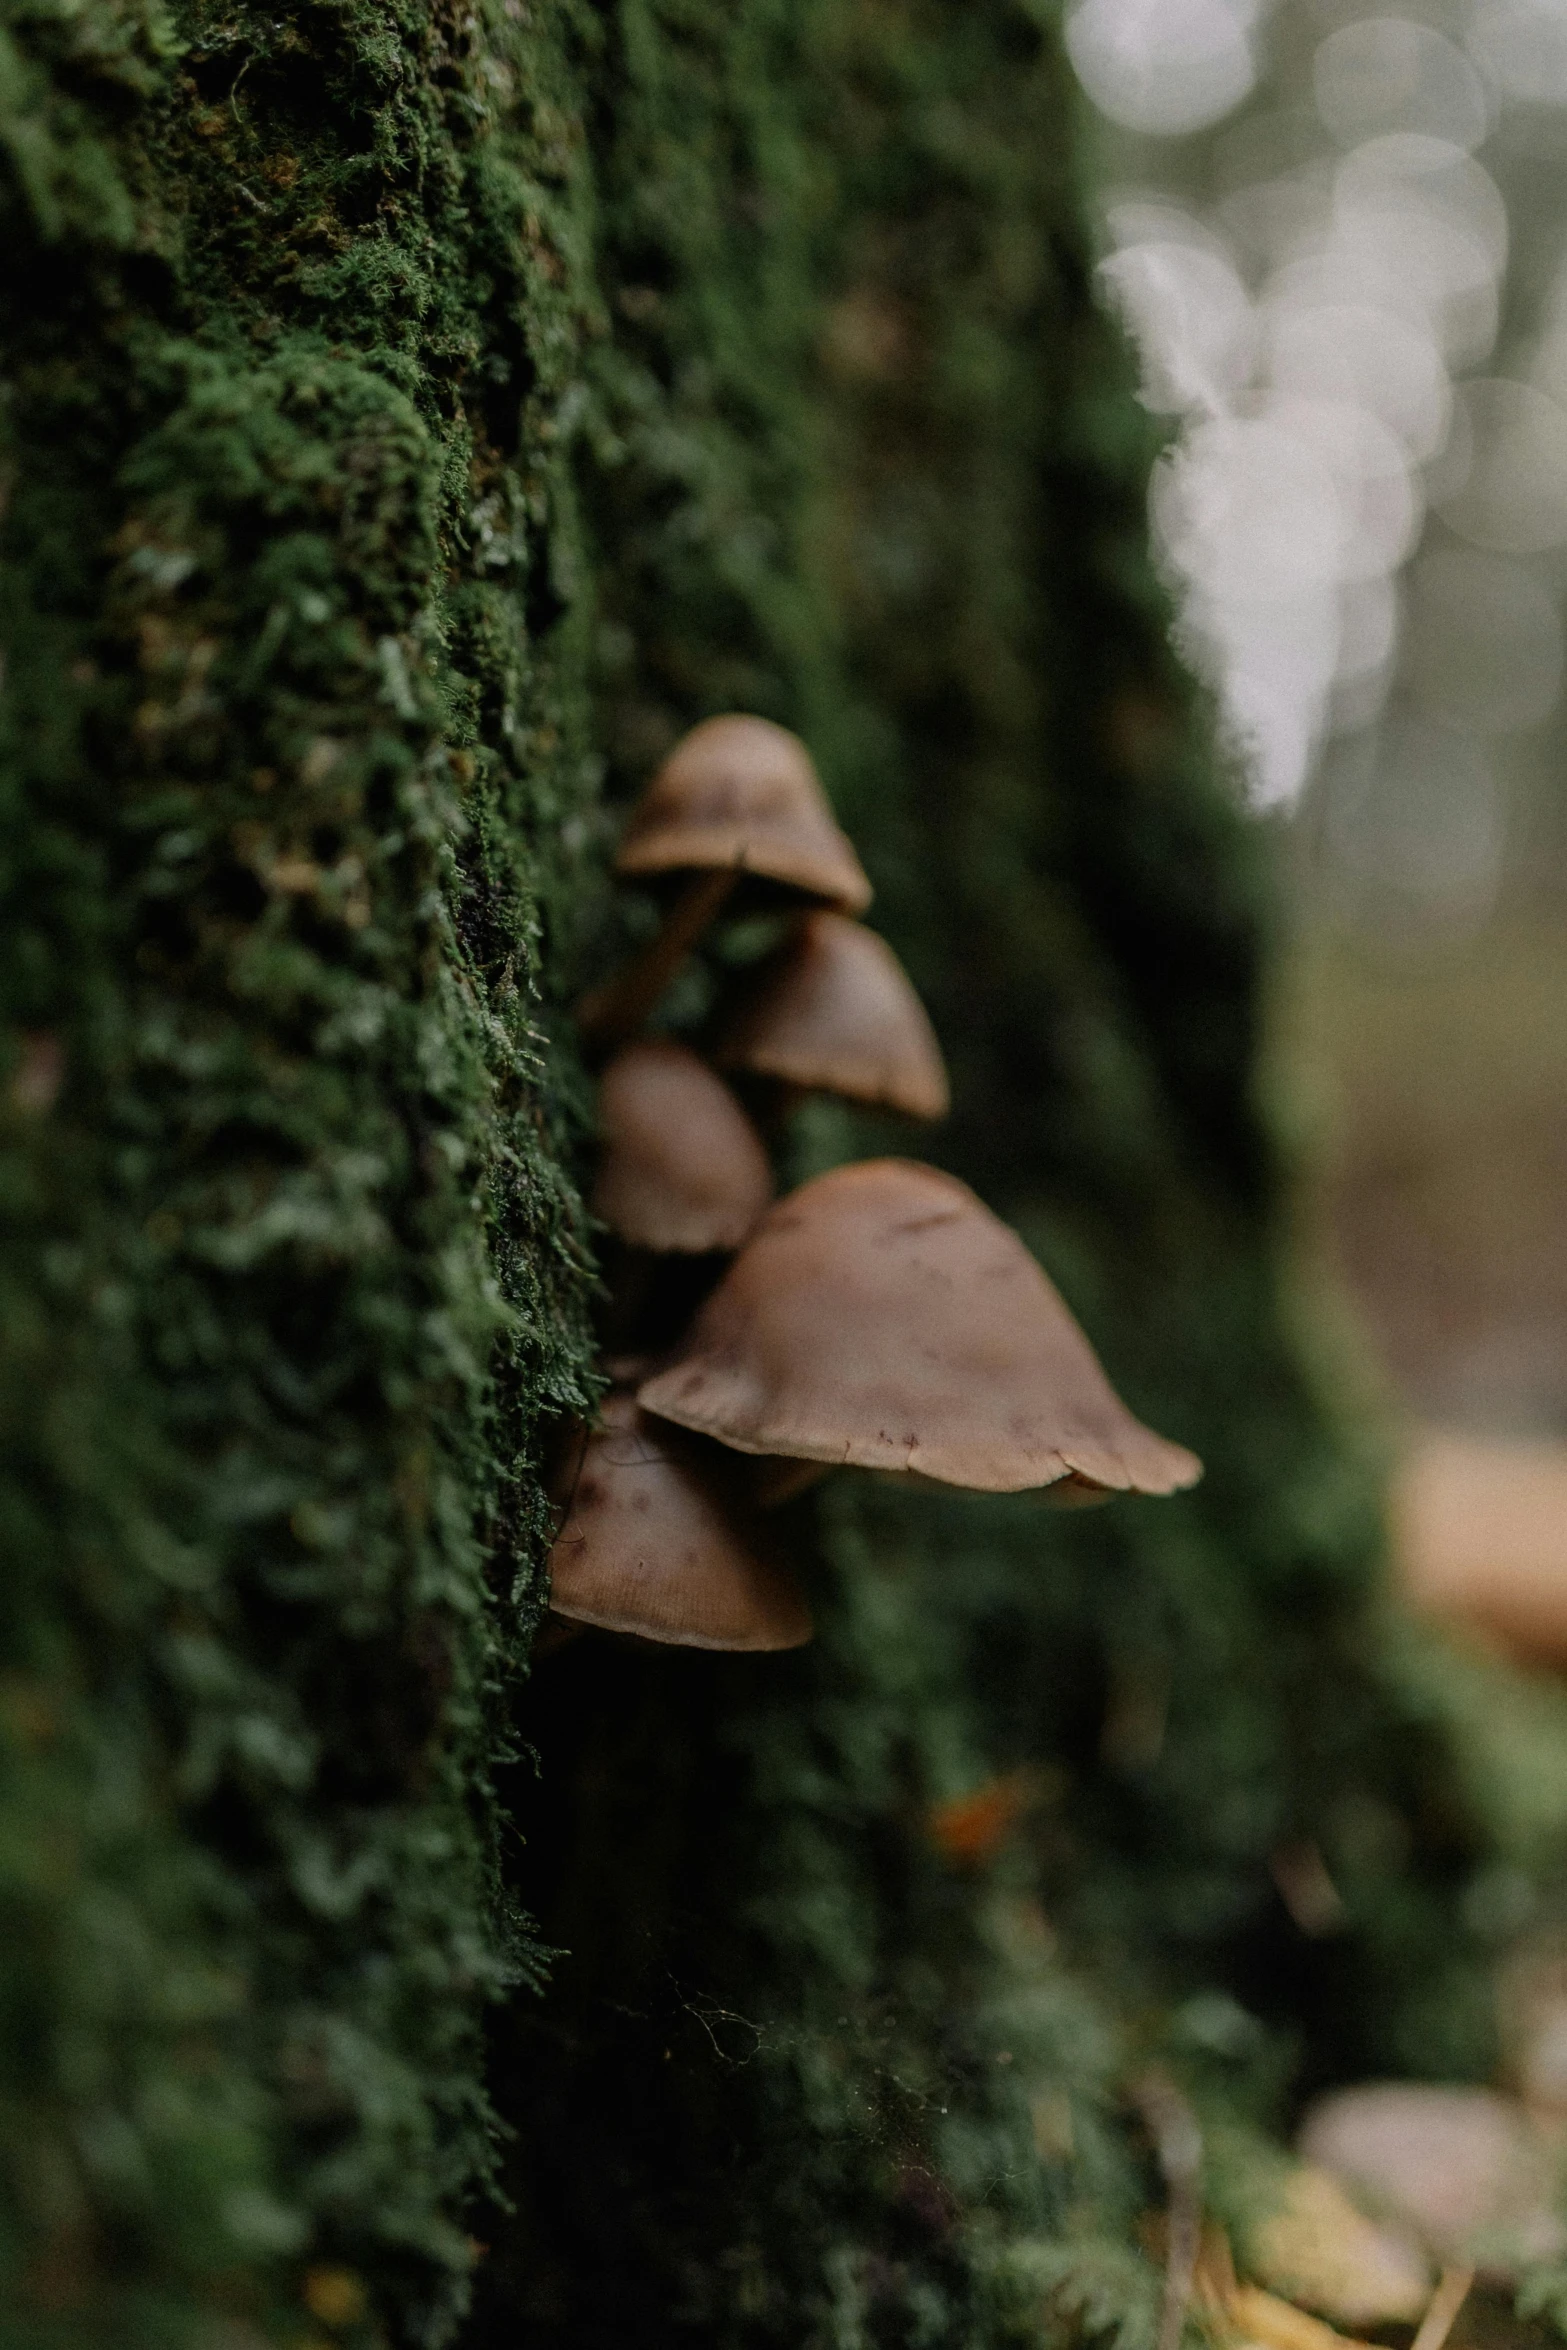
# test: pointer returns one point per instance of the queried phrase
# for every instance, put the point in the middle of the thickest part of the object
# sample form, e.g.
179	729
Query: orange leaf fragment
971	1829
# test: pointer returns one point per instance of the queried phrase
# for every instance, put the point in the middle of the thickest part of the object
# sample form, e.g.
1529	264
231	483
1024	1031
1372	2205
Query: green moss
294	727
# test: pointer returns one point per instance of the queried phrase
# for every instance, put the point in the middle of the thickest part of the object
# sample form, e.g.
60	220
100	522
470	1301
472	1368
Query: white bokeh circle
1163	66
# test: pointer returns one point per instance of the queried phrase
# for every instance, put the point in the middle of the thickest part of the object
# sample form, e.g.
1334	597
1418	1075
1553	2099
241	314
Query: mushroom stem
776	1481
1451	2293
609	1014
651	1298
773	1102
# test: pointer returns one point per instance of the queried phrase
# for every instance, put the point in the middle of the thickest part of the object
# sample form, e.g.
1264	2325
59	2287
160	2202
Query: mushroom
1464	2168
1315	2247
683	1167
1480	1539
736	797
833	1012
882	1317
651	1546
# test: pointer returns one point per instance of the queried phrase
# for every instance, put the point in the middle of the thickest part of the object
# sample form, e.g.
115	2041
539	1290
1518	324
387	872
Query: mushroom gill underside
882	1318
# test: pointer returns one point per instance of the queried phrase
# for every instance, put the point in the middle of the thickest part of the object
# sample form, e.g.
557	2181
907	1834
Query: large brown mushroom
883	1318
833	1012
737	797
683	1168
653	1545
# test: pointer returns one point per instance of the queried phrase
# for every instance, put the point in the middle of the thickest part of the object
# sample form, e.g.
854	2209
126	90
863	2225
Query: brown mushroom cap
882	1317
740	794
683	1167
833	1010
652	1546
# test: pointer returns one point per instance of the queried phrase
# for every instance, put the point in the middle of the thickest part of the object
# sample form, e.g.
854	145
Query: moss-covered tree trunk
415	419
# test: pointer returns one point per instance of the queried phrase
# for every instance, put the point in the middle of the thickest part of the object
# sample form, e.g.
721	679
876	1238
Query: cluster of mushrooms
878	1317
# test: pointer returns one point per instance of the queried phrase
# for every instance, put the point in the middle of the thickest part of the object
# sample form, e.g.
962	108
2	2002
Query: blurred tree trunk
412	419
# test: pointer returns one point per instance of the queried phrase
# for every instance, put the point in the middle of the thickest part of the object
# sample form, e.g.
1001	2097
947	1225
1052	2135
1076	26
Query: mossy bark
412	418
295	736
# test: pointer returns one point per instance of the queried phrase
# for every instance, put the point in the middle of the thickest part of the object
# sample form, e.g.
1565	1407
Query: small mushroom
1464	2168
737	797
833	1012
883	1318
740	795
1480	1539
683	1167
652	1546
